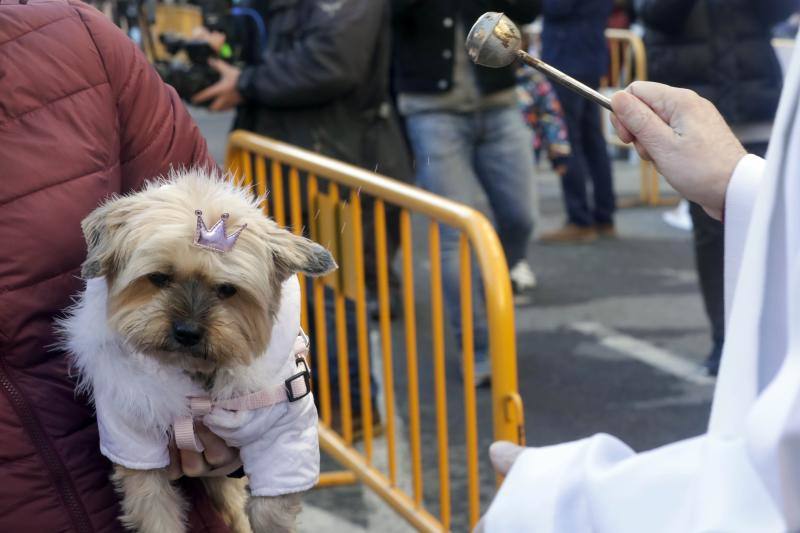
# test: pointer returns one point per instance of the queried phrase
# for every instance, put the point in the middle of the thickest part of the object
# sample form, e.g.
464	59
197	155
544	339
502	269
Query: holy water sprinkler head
494	41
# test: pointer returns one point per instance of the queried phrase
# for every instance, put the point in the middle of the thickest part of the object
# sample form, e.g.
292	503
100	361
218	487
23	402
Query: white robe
743	474
137	399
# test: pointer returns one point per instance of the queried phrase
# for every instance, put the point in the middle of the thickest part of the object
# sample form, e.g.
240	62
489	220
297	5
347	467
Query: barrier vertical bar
381	261
232	161
468	362
614	53
411	355
345	406
296	211
261	183
437	326
277	193
247	176
247	167
320	332
364	374
655	191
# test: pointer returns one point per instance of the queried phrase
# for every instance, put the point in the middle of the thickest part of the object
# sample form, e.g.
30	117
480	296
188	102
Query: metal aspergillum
495	41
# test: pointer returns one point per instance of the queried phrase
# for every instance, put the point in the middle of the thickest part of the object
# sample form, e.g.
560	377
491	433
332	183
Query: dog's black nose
186	333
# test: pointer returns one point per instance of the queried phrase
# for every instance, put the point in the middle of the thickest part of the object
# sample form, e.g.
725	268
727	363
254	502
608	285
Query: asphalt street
611	342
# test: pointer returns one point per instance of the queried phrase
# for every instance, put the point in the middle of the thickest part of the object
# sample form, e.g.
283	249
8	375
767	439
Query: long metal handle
562	79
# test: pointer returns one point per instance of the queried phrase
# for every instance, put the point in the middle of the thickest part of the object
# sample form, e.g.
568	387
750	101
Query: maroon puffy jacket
82	116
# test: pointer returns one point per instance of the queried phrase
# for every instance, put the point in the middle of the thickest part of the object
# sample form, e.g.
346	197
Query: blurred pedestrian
322	83
573	40
465	128
743	473
722	50
83	117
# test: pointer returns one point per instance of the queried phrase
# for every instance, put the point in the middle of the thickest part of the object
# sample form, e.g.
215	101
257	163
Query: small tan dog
181	322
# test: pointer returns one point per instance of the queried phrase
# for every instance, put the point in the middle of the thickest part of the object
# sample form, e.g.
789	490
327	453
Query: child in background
543	113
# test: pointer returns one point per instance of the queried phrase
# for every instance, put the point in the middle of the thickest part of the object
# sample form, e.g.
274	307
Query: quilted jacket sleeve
156	130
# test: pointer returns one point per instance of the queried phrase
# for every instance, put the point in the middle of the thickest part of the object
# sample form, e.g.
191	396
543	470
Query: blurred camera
188	77
187	67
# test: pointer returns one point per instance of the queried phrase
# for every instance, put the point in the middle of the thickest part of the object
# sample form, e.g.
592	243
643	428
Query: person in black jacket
721	49
322	83
573	40
465	127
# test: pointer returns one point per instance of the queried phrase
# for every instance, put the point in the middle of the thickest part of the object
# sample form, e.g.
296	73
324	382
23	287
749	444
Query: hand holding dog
684	135
217	460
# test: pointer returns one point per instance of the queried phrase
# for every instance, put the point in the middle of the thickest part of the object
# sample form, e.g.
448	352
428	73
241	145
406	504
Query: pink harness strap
183	427
293	388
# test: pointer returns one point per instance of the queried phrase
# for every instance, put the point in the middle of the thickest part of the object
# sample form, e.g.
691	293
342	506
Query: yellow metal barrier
333	195
629	64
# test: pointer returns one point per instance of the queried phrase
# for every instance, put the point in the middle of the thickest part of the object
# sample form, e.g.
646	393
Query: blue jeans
588	161
493	148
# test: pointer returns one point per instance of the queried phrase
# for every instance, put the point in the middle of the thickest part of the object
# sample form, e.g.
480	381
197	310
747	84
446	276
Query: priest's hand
216	460
502	454
684	135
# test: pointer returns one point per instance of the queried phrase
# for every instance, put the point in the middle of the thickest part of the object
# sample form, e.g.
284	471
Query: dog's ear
95	232
294	254
98	230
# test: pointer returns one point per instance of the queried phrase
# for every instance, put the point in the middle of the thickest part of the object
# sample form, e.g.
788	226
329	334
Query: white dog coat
138	399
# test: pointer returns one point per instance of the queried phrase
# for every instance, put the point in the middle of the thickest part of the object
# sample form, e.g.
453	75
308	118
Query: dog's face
185	305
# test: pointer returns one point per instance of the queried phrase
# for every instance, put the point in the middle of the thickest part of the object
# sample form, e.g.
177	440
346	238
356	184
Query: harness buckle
304	375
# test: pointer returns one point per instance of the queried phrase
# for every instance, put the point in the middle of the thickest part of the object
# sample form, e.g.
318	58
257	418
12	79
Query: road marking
645	352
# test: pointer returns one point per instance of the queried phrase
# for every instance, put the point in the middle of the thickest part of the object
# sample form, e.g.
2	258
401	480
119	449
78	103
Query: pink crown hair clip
215	238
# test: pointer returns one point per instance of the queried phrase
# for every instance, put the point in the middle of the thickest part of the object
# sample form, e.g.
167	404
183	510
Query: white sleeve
600	485
740	199
545	490
130	446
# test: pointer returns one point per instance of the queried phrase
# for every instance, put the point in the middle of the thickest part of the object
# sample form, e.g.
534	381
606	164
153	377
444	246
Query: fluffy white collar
148	394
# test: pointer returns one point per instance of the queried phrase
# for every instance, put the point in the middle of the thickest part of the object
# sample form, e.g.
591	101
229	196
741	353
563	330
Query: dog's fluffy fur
142	244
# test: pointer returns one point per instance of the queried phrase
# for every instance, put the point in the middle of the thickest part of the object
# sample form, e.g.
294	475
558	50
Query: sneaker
522	277
570	233
679	217
606	230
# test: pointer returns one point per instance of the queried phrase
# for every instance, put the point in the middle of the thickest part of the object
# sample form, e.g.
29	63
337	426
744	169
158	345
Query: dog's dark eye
159	279
225	290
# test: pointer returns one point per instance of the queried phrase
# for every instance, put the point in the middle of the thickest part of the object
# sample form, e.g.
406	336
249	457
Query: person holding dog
83	117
